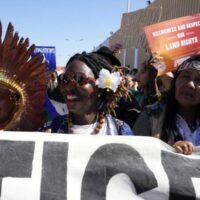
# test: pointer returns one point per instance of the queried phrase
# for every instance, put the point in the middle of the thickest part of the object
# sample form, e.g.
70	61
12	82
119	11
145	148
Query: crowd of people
95	95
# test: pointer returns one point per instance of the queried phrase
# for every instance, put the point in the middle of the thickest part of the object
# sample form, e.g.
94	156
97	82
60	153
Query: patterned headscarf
191	63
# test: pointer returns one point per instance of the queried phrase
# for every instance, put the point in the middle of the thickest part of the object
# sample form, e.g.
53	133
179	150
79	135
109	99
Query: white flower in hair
108	80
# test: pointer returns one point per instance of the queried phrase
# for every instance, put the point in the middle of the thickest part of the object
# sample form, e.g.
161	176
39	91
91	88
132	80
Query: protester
132	84
150	86
147	93
54	102
176	119
131	77
149	90
53	82
147	86
23	81
91	91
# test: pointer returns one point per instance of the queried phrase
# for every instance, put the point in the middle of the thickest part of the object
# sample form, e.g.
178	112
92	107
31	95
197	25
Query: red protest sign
175	40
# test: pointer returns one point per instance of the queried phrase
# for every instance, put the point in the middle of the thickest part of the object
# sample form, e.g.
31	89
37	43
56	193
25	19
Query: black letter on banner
109	160
16	159
180	170
54	171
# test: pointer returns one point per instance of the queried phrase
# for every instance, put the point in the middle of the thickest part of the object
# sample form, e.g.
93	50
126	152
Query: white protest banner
40	166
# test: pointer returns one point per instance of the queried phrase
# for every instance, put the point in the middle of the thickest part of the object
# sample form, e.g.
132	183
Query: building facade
131	33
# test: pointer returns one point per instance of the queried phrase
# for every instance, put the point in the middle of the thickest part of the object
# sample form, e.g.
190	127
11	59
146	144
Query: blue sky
70	25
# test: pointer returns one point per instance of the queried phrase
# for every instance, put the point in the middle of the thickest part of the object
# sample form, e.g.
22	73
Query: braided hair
108	100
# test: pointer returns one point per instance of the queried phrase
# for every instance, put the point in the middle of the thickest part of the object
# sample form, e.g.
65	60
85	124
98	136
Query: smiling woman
177	120
91	91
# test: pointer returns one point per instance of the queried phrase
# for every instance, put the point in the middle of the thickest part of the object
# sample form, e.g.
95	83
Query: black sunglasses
77	79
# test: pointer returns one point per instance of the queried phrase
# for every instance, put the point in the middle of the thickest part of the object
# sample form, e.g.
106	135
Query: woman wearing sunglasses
91	90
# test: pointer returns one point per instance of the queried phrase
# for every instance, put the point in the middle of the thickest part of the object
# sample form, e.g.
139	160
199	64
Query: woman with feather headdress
23	81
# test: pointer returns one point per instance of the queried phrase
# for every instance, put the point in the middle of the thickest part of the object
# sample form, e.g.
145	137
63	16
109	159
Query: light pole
128	5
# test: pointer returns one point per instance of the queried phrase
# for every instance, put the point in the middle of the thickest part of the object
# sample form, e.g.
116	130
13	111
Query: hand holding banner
175	40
